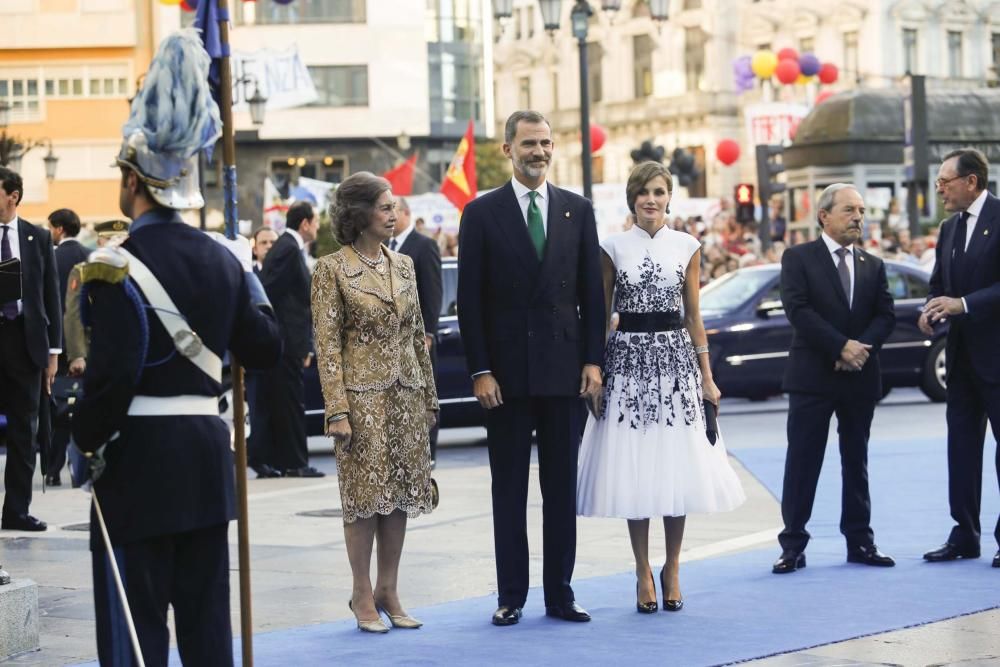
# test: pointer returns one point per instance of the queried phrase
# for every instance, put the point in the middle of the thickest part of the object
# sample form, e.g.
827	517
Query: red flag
400	177
459	184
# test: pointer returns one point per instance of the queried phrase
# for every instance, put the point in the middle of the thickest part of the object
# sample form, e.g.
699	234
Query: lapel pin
861	258
31	238
986	232
567	215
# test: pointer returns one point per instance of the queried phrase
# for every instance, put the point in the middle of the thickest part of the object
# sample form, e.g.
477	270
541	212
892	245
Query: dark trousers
971	401
286	391
808	426
188	571
509	429
260	444
20	388
56	459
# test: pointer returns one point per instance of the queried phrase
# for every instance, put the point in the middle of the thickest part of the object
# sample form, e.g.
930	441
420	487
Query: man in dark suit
427	263
965	289
531	308
286	278
838	302
30	340
65	225
260	454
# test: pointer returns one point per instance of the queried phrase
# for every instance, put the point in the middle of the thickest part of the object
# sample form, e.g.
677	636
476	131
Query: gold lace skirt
388	467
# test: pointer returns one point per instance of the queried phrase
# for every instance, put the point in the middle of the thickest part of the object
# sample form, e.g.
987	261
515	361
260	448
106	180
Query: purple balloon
809	64
741	67
283	2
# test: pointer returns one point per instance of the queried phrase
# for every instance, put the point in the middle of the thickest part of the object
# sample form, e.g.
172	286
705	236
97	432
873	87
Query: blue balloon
809	64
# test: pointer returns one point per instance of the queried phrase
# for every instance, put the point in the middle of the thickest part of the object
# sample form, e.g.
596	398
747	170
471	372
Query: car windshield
733	289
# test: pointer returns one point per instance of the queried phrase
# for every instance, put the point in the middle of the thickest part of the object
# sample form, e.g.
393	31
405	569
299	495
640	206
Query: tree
492	167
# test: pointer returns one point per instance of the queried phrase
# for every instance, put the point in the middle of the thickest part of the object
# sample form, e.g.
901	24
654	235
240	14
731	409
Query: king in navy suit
531	309
838	303
965	289
149	420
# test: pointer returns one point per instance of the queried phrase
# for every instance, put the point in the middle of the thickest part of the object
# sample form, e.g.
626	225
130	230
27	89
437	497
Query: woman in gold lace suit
378	389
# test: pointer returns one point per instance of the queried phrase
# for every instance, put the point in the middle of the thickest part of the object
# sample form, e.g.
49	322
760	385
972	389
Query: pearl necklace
377	264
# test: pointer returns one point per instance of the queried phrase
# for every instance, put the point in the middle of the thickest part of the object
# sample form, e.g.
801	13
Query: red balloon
728	151
597	137
828	73
787	71
189	5
822	97
788	53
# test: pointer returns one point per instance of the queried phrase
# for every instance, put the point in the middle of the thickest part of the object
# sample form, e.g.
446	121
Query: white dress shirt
298	237
833	247
975	208
400	238
524	199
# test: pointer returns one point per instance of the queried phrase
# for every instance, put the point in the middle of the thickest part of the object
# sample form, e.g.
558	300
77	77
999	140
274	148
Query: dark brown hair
641	174
354	204
66	220
971	162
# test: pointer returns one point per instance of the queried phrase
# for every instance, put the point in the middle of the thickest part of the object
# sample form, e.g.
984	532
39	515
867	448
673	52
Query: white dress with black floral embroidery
648	455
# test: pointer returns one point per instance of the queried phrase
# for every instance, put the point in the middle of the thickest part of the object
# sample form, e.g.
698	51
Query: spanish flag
459	184
401	177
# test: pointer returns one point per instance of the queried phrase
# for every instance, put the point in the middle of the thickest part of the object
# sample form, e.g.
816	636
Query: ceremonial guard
163	308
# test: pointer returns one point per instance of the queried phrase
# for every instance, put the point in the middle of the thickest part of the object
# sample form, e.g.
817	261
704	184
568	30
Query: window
851	54
642	56
88	81
22	96
694	57
954	54
897	284
518	23
595	55
692	4
340	85
807	45
269	12
909	50
555	90
530	11
524	92
995	43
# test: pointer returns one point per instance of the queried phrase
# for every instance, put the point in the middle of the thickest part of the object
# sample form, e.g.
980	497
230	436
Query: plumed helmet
173	117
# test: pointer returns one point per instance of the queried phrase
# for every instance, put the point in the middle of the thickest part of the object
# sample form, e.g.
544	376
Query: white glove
239	247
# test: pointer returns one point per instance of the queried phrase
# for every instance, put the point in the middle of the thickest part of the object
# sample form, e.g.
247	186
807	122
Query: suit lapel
362	279
986	226
511	222
559	224
28	240
862	275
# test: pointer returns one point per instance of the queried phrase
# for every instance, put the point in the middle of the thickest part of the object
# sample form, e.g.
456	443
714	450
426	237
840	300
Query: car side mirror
769	307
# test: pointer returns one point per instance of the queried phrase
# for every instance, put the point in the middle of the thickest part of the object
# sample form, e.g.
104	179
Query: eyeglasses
945	181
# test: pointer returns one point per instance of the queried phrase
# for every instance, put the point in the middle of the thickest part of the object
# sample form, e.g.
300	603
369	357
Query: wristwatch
336	418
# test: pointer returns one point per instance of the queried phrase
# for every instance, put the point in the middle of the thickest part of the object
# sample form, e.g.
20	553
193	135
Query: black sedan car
749	335
454	386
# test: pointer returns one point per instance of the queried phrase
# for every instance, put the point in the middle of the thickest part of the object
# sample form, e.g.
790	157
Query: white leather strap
170	317
173	406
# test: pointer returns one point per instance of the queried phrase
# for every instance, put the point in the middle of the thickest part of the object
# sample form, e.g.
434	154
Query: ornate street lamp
659	9
256	102
13	148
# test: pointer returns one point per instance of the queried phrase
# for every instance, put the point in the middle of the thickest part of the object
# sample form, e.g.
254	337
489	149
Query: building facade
67	71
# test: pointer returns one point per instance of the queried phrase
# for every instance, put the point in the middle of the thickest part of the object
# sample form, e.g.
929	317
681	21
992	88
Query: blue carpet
735	608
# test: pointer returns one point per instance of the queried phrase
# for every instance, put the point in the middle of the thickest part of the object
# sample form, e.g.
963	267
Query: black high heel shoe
646	607
669	605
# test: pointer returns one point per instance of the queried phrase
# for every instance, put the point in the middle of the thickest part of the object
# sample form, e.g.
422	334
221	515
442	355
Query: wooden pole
236	371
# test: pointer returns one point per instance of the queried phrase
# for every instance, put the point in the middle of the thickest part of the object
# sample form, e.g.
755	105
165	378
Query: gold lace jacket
368	337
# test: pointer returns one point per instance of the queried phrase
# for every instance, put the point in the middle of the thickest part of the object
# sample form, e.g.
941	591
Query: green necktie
536	230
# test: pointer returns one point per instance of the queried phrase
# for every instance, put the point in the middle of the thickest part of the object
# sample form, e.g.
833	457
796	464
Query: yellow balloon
803	79
171	3
763	64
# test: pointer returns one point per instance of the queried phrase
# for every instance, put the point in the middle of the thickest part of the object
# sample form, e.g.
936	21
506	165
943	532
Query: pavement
300	574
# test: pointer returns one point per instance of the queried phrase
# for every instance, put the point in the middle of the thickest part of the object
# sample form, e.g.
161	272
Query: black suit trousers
187	571
260	444
808	426
288	417
21	381
509	428
971	401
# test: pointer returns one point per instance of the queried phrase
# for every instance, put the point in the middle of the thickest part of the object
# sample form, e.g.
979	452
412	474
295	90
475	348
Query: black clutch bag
66	391
711	421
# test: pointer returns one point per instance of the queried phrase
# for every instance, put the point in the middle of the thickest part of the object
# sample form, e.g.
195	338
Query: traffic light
744	203
767	169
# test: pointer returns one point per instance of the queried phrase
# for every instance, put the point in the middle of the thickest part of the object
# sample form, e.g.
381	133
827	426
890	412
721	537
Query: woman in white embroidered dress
647	453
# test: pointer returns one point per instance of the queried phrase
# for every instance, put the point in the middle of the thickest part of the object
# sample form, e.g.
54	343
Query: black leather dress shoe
507	615
949	551
570	611
305	471
869	555
789	561
996	559
265	471
23	522
53	480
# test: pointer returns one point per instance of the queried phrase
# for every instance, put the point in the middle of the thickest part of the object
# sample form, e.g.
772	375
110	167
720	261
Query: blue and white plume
173	117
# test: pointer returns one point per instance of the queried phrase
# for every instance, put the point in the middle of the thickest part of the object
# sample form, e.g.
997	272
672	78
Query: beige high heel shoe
376	626
404	621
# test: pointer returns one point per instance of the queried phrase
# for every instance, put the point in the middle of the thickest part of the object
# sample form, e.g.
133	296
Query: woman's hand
340	431
710	391
432	418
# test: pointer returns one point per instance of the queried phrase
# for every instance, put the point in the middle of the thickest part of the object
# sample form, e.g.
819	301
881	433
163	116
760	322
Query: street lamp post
13	148
579	18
